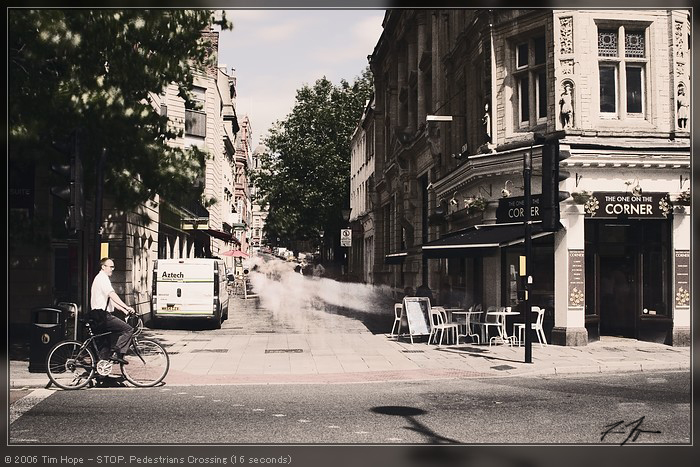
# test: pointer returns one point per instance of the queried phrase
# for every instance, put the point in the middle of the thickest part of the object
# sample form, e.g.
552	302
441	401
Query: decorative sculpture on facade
566	106
683	110
486	122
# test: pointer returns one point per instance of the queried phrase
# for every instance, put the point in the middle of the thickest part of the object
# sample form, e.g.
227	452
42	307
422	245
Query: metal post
98	209
527	174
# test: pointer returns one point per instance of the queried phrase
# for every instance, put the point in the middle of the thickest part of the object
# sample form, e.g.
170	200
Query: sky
276	52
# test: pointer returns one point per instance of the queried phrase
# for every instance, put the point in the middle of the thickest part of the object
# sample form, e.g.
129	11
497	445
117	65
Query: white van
190	288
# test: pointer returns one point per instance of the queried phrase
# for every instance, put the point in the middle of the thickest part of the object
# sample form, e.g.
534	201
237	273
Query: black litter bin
48	329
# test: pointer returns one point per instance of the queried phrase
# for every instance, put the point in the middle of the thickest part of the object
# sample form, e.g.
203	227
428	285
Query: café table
501	313
467	323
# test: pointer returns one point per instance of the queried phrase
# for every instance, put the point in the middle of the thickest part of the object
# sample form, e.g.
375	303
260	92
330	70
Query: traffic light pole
98	209
527	176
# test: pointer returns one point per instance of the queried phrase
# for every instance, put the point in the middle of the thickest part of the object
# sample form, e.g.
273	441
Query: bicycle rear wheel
148	363
70	367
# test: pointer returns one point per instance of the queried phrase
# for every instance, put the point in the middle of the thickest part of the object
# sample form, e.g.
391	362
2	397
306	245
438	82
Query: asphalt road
616	409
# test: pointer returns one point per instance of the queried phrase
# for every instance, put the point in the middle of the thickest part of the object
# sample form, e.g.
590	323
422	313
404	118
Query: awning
480	240
225	236
395	258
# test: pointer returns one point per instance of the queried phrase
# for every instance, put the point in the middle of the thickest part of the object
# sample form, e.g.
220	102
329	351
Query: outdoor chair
519	328
438	322
489	321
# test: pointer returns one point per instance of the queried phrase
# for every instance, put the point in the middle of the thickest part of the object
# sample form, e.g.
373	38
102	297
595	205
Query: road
616	409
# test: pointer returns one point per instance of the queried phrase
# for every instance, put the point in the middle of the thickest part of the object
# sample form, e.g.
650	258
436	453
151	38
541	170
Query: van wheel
218	320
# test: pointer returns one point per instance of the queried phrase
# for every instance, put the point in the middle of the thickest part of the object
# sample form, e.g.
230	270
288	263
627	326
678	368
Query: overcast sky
276	52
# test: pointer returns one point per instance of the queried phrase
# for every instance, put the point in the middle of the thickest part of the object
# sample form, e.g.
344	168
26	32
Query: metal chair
519	328
438	322
489	321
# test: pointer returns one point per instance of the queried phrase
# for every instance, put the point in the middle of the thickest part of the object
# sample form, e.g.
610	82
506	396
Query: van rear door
185	288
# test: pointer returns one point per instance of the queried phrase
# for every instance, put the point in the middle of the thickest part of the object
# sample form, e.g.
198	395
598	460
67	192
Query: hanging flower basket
475	205
581	197
683	198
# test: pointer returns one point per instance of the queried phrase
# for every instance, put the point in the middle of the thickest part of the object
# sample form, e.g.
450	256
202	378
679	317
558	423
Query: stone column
412	67
569	318
422	111
681	257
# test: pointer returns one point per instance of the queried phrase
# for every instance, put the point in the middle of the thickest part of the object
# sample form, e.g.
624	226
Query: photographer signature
620	428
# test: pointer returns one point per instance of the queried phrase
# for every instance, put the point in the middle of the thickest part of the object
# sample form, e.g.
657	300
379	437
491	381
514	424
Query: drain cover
284	350
211	350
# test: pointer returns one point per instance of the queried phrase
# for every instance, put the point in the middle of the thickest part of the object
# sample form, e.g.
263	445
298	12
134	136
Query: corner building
464	97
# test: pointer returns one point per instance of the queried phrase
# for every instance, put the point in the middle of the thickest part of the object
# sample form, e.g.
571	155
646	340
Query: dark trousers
120	337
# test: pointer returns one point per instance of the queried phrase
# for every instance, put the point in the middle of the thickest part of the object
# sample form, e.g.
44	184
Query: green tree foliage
97	71
305	176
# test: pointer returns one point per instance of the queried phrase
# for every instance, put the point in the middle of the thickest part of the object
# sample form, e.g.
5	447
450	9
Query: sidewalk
358	357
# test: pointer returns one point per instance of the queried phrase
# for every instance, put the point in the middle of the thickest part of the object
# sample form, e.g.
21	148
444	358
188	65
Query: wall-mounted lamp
505	192
454	201
637	190
578	178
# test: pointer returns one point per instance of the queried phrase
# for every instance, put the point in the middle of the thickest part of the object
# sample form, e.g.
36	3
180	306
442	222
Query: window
622	63
531	82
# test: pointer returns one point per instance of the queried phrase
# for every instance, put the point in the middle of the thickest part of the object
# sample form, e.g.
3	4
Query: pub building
618	264
475	93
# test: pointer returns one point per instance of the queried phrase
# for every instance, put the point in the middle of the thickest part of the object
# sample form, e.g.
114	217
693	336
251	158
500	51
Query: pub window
531	81
622	61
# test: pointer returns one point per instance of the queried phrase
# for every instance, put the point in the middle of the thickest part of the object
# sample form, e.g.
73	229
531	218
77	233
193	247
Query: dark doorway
618	300
628	276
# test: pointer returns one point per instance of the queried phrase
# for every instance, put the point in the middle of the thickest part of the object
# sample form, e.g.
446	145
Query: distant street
632	409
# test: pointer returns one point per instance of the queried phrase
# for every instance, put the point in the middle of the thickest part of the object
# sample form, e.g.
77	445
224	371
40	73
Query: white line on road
656	380
23	405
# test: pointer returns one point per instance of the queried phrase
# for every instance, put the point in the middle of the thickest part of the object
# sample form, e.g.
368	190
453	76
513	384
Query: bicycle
73	364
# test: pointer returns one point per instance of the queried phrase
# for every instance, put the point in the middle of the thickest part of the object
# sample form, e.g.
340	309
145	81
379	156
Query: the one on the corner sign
346	237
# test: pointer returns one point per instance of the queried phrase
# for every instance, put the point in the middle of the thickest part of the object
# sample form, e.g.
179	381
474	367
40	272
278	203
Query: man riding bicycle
103	301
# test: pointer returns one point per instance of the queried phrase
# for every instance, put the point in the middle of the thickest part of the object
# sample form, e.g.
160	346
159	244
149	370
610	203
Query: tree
97	71
305	176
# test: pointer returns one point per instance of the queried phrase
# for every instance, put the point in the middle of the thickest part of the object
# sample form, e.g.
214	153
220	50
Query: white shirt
99	293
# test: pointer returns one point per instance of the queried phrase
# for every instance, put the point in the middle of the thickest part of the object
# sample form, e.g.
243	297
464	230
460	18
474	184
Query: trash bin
48	329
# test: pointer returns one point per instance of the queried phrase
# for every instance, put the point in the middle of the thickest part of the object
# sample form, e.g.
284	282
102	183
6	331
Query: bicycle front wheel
148	363
69	366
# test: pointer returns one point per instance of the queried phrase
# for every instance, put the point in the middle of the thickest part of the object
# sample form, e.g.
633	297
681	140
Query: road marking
180	393
332	426
23	405
258	410
278	415
303	420
394	439
656	380
199	397
362	432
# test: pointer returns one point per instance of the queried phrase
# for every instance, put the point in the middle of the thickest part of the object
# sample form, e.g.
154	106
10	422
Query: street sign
346	237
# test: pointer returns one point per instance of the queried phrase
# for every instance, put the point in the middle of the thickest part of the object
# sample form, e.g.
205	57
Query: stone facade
609	86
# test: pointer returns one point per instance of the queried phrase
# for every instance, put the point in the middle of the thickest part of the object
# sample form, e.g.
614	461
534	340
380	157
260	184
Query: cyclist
103	301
